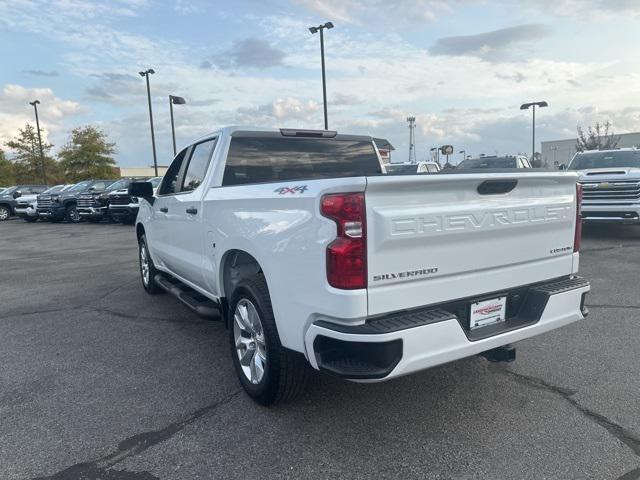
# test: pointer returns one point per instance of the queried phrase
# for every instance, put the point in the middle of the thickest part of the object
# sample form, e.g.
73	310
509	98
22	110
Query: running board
197	302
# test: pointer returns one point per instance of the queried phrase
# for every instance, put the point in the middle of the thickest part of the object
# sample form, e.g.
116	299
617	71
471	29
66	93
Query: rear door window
263	159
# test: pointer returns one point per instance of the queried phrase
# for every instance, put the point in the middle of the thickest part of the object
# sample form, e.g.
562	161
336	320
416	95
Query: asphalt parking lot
99	380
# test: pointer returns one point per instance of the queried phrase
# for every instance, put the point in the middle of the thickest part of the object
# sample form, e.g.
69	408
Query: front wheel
148	271
71	214
268	372
5	213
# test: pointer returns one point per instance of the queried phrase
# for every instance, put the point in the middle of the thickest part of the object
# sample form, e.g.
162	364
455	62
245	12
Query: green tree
7	176
27	164
597	137
88	154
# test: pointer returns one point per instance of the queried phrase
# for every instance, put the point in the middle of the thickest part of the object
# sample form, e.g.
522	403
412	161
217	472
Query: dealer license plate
488	312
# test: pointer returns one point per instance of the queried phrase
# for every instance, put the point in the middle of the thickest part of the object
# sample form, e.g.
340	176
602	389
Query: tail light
578	233
347	254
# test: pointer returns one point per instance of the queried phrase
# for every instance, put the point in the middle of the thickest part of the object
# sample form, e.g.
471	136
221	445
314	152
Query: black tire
71	214
30	219
148	282
5	213
286	372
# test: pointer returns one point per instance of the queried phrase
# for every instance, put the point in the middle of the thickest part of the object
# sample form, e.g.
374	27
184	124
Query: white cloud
16	112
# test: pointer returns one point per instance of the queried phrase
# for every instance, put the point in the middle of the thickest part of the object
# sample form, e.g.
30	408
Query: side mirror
562	167
141	190
17	194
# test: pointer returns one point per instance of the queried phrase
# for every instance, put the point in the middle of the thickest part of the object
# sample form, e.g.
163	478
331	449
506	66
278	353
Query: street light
525	106
146	74
464	154
35	107
437	150
320	28
173	100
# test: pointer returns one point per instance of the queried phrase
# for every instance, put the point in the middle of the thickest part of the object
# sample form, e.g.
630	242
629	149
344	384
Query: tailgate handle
495	187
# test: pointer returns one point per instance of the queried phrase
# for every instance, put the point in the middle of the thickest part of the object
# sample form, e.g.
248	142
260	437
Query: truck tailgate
435	238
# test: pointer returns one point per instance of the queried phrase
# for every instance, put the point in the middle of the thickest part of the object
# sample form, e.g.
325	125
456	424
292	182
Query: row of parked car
92	200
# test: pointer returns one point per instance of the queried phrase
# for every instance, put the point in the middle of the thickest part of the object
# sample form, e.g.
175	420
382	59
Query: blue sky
462	67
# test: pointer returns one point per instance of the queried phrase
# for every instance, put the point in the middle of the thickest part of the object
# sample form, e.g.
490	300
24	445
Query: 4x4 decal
291	190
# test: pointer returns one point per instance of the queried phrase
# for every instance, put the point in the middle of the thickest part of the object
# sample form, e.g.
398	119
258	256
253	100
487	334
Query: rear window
276	159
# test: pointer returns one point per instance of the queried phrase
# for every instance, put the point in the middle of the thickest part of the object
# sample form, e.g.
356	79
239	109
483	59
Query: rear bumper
401	343
624	214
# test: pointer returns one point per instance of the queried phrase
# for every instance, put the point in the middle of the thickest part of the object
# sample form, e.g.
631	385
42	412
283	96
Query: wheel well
236	265
139	230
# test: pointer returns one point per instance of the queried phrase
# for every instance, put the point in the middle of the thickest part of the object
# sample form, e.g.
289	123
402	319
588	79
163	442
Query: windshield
119	185
488	162
621	159
9	190
80	186
55	189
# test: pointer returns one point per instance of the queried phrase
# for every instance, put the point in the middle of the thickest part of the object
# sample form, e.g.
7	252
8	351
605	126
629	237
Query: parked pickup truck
27	205
64	205
123	207
93	204
611	185
315	257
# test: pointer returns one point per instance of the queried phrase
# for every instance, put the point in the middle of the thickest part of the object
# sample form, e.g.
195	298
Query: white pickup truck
315	257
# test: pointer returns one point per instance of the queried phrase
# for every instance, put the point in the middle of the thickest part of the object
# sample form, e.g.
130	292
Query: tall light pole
464	154
173	100
412	139
146	74
525	106
320	28
44	174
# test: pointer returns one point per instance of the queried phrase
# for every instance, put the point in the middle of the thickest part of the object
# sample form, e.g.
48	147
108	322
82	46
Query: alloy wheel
249	340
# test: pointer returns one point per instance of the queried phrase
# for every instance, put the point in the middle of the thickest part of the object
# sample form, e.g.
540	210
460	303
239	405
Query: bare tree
597	137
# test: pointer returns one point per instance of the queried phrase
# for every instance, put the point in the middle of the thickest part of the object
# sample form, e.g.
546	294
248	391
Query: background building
557	152
142	172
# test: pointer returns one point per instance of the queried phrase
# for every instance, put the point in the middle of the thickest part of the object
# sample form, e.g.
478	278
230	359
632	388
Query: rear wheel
148	271
268	372
5	213
71	214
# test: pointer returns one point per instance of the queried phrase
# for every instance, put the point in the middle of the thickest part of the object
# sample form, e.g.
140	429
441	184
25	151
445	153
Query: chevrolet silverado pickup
315	257
123	207
27	205
93	204
63	205
611	185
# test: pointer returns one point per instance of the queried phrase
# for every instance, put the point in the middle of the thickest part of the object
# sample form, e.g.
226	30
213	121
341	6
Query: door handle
164	209
192	211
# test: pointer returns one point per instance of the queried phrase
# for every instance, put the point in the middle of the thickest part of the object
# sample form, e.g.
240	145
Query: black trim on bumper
357	360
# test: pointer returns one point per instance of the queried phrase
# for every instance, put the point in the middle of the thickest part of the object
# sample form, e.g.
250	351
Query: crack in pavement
100	468
627	437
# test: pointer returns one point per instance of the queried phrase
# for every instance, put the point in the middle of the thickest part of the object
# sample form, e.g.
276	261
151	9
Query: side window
25	190
170	181
194	175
